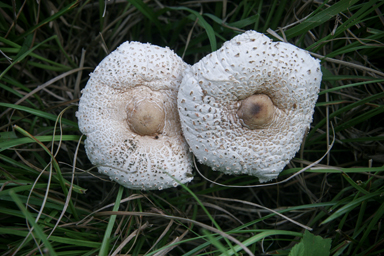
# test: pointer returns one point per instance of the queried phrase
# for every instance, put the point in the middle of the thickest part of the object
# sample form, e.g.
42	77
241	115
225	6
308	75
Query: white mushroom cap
128	111
245	108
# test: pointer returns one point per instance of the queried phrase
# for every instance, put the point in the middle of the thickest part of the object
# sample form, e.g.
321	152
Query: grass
54	202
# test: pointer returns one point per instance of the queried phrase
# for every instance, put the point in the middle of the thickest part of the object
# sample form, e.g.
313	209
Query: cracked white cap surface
128	111
245	108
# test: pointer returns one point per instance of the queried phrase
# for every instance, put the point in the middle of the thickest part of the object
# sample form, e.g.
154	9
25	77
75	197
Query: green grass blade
258	237
349	85
319	18
104	249
371	227
62	181
350	206
50	19
342	110
148	12
39	113
201	21
215	242
37	229
25	54
47	138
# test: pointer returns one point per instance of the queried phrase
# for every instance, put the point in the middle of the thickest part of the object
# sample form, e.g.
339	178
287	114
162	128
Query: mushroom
245	108
128	111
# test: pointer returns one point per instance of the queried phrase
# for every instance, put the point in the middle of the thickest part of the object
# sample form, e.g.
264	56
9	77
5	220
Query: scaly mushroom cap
245	108
128	112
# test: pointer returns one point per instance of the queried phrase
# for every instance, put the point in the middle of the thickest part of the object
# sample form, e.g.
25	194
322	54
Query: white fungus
245	108
128	111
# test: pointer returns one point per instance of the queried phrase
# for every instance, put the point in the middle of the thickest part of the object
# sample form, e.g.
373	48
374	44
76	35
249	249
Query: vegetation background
54	202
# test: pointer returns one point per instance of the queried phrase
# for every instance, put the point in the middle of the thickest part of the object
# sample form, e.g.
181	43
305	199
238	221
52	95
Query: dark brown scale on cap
256	111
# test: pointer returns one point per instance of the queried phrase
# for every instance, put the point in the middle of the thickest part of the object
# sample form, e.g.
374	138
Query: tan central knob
146	118
256	111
